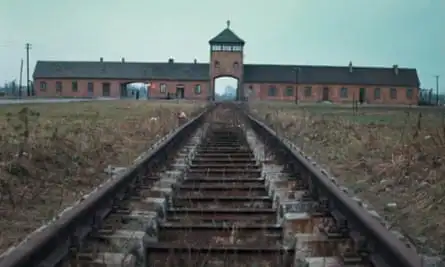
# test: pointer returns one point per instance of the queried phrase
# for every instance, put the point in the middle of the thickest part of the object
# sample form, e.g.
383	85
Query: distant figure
137	95
182	117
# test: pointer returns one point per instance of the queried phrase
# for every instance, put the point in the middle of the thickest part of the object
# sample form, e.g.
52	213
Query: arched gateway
226	60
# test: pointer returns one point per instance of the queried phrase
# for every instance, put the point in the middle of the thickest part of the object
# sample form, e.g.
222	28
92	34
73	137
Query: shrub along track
223	191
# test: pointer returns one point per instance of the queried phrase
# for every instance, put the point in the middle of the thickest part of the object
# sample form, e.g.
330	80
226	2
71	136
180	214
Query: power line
28	89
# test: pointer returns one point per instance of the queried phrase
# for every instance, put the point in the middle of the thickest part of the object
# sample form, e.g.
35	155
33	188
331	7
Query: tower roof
227	36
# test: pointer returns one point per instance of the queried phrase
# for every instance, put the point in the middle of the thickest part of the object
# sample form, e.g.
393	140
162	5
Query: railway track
223	191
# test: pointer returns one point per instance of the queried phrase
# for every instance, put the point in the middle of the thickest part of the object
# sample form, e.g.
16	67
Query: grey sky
409	33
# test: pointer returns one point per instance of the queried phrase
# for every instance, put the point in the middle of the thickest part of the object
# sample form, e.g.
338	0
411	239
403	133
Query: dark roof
119	70
253	73
331	75
227	36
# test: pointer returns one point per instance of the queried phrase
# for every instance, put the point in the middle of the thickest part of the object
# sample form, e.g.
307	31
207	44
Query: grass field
52	154
393	157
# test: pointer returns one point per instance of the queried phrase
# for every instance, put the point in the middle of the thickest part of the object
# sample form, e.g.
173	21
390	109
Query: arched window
235	65
216	64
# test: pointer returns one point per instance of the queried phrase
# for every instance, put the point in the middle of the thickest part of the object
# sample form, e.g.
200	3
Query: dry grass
52	154
384	155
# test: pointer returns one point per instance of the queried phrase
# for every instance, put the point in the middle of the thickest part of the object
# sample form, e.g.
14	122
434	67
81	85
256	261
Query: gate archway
226	88
131	90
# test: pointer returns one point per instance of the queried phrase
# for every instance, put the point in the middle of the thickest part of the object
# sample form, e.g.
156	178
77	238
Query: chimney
350	66
101	59
396	69
123	60
171	60
195	61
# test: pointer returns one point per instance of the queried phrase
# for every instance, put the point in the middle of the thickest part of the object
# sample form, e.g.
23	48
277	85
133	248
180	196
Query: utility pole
297	83
20	81
437	89
27	47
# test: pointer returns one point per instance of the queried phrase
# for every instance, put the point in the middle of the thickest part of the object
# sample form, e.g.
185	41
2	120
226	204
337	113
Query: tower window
235	65
216	48
227	48
216	64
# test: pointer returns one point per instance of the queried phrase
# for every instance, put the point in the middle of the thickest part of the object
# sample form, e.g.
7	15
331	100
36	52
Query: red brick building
194	80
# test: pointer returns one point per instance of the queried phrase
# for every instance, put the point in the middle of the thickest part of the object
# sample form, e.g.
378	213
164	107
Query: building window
250	89
237	48
377	93
289	91
163	88
90	87
393	93
106	89
409	93
272	91
198	89
344	92
216	64
74	86
43	86
235	65
308	91
59	87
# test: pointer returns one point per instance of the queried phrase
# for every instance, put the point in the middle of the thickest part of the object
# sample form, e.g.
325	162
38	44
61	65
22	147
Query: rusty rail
383	248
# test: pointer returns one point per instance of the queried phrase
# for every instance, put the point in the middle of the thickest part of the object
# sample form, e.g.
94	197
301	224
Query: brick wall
334	93
189	89
48	88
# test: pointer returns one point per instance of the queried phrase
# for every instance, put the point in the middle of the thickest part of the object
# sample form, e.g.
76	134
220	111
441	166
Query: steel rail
52	244
379	241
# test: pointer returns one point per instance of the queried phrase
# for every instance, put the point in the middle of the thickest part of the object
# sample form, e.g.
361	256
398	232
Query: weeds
397	160
51	155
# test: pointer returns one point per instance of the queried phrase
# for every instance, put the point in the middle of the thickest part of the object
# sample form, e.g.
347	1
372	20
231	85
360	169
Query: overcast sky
409	33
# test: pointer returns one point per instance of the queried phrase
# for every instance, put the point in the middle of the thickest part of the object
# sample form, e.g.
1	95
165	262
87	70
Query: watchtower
226	59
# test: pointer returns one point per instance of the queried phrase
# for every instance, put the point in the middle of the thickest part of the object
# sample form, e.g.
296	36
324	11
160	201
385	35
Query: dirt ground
393	158
52	154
